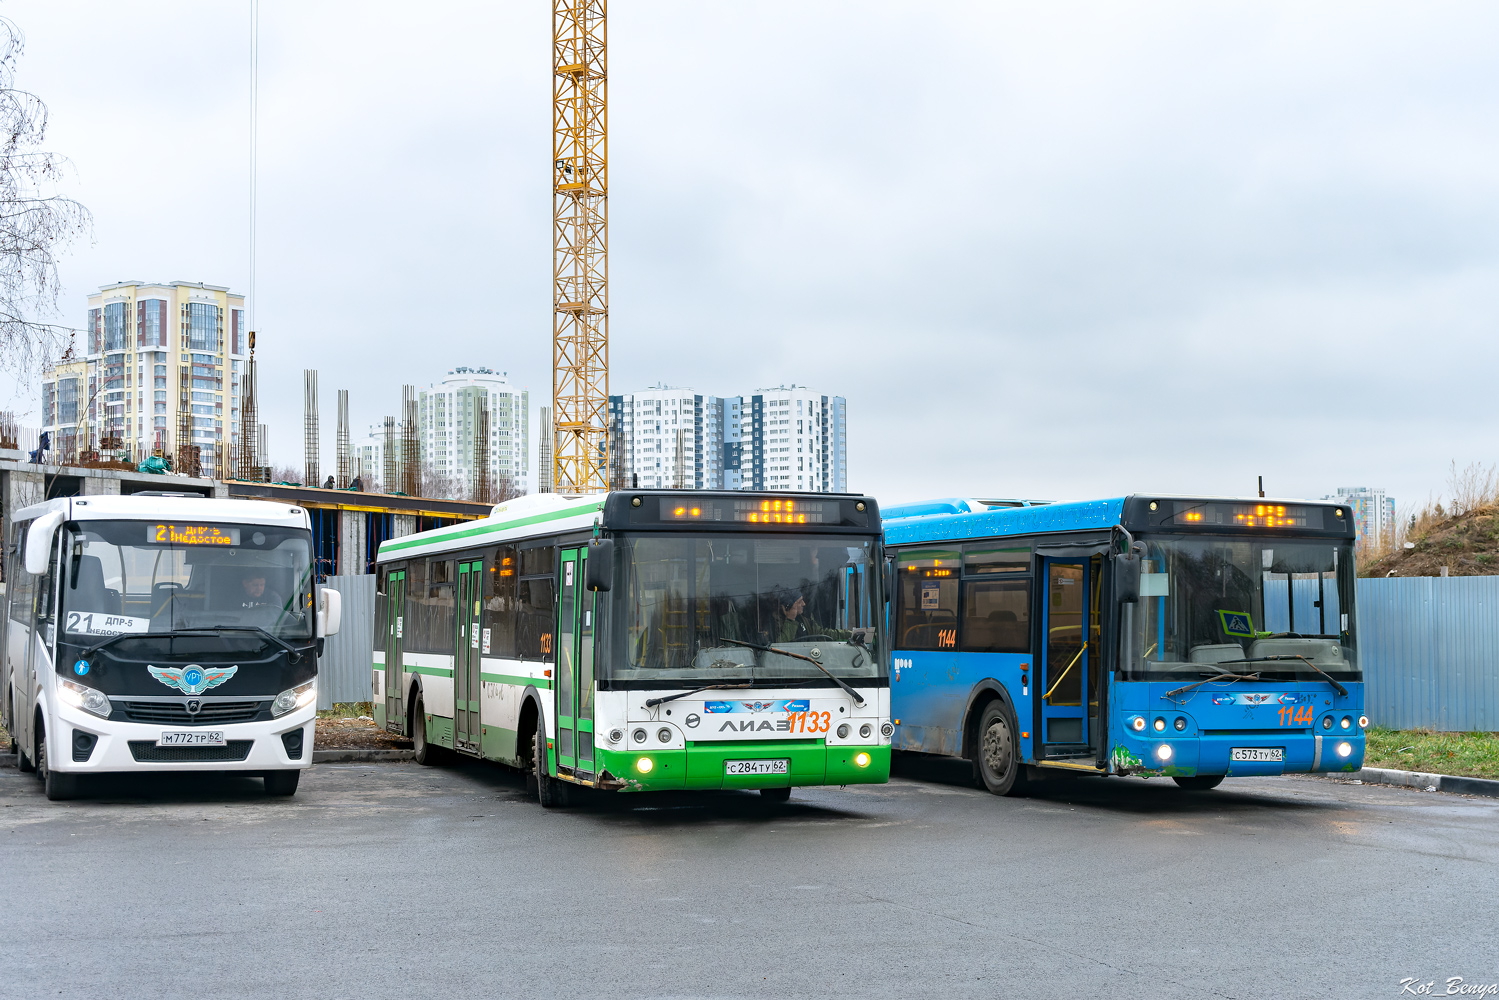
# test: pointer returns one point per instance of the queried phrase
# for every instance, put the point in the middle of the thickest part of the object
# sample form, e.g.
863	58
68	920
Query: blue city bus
1182	637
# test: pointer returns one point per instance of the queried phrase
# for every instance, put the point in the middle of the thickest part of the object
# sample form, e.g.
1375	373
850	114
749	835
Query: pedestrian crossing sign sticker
1237	623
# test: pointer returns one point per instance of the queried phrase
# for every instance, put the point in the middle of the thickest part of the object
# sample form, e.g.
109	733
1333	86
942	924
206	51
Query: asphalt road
398	880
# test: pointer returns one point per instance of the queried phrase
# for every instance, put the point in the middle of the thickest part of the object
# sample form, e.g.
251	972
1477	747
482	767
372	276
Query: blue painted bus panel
1095	514
929	692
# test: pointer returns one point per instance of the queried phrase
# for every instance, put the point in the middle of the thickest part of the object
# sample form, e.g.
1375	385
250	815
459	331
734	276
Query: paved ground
398	880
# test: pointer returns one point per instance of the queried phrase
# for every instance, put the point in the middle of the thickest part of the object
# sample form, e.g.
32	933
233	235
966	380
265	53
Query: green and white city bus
644	640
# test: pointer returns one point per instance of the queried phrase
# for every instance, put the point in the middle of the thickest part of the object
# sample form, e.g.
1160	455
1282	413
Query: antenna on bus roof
1262	486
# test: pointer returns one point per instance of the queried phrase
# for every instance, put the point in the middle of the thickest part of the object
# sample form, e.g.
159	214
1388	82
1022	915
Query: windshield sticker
192	679
99	623
930	596
781	705
1155	585
1237	623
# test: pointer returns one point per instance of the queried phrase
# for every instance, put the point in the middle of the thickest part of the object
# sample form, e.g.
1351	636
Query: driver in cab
255	594
791	623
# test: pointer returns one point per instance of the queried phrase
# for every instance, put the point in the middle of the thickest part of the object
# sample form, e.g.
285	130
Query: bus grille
174	713
147	752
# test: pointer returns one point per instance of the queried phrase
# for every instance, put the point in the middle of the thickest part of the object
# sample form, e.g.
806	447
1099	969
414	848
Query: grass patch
348	710
1470	755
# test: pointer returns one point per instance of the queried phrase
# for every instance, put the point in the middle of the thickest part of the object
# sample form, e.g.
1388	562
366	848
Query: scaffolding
389	474
311	438
248	464
341	442
411	460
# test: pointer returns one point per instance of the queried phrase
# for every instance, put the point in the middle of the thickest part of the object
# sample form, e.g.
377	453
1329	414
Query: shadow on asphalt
166	788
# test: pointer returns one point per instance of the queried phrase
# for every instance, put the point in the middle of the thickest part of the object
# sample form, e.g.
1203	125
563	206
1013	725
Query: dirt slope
1467	544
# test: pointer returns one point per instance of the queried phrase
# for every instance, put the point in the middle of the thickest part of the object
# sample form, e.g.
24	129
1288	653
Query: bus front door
1066	664
574	669
466	692
395	677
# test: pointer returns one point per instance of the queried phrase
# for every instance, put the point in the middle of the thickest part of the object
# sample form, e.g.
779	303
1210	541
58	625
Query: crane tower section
580	251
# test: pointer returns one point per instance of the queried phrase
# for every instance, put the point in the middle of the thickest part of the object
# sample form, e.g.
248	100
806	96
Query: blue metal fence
345	670
1429	647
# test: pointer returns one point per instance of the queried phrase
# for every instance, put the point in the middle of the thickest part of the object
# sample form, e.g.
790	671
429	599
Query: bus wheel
551	793
425	753
282	782
995	755
57	786
776	794
1200	782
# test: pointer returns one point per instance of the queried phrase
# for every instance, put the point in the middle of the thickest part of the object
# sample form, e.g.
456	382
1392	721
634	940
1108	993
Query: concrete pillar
403	524
352	530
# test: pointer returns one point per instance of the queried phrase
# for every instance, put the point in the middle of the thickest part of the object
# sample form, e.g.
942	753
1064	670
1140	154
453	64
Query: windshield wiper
858	700
1221	677
653	702
293	650
1272	659
172	633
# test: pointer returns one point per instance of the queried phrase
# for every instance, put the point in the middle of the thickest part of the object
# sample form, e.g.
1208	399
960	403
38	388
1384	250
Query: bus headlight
1160	725
1138	724
1163	751
644	765
1347	722
1344	749
84	697
865	731
843	731
861	759
294	698
1363	722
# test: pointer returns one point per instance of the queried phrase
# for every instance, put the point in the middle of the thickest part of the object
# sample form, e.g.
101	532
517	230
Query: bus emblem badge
192	679
194	706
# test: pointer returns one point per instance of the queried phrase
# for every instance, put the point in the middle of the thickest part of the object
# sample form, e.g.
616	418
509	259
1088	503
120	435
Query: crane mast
580	248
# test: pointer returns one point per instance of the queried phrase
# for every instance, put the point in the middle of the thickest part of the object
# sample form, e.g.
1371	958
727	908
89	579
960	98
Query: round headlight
639	735
663	734
861	759
1327	722
1347	722
1363	722
1138	724
615	735
866	730
1181	723
644	765
1163	751
1344	749
843	731
887	730
1160	725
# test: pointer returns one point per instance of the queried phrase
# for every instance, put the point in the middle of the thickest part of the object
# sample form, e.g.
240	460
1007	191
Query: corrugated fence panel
1429	647
345	670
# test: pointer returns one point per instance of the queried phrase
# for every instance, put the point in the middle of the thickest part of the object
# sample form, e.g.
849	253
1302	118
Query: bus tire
1200	782
776	794
551	793
995	752
424	751
57	786
282	783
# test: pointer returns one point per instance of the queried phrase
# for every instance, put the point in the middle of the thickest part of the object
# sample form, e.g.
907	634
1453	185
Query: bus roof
1133	511
156	506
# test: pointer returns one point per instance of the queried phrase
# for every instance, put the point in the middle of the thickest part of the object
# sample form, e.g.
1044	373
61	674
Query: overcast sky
1060	250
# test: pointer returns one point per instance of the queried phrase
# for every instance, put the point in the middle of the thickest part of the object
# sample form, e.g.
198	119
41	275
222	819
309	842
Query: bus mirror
39	542
598	573
329	612
1127	577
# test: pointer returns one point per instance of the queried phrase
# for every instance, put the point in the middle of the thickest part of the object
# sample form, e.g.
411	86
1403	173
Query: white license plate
1257	753
196	738
757	767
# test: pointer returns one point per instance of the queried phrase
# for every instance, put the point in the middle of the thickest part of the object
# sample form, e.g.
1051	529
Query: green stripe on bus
521	522
541	682
432	671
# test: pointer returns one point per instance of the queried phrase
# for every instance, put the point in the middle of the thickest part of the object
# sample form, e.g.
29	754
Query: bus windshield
1273	606
141	577
694	607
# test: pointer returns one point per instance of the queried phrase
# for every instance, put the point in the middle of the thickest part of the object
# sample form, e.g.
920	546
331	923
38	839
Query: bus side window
537	619
997	616
926	612
414	621
499	602
382	607
20	585
442	602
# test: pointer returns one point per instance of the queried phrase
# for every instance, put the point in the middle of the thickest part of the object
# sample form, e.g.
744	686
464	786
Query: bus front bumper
112	748
706	766
1188	755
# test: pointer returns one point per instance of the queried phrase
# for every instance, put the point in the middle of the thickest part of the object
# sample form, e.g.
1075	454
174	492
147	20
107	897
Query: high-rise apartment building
1373	514
160	374
475	420
785	438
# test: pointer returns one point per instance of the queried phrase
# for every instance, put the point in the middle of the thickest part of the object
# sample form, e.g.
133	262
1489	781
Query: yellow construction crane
580	248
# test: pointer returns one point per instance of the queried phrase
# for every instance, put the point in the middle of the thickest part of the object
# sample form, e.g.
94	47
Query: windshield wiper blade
195	632
1274	659
1220	677
653	702
858	699
293	650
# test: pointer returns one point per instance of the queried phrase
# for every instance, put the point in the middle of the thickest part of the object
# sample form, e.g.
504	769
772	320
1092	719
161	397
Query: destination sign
191	534
1245	515
750	511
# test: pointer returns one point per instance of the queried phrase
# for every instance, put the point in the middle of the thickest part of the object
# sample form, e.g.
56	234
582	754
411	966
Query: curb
367	756
1420	779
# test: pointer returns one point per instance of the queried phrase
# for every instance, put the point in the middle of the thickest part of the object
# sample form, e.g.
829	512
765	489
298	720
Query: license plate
196	738
1258	753
757	767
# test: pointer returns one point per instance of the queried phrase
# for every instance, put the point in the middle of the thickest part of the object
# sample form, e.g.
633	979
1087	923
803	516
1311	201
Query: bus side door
574	706
466	693
395	676
1067	661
